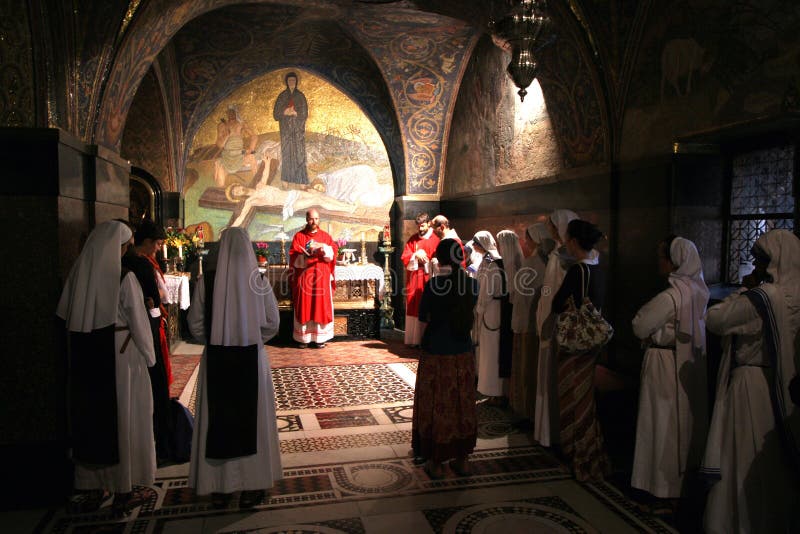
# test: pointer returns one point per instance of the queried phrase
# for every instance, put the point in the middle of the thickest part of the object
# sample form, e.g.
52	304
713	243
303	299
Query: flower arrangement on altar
262	251
341	242
179	244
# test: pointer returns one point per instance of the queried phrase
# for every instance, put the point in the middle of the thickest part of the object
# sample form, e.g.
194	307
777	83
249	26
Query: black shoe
320	345
220	500
251	498
302	345
419	460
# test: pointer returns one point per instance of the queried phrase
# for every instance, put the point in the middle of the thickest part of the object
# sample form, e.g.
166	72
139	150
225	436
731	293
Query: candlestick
363	250
164	250
180	252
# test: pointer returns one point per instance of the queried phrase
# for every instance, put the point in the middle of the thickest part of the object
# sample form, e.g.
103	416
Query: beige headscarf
561	219
90	299
511	252
486	241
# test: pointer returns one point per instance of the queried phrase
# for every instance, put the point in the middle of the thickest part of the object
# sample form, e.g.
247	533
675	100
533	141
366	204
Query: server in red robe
418	252
311	258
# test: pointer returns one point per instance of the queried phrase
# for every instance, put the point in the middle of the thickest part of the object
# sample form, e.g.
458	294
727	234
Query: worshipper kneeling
109	348
234	312
445	423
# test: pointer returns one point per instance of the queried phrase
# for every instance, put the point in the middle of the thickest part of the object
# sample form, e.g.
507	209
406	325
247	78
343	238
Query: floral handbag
581	330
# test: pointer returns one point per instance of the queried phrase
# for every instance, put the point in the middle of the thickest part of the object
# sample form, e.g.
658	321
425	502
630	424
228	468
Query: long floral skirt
581	437
445	420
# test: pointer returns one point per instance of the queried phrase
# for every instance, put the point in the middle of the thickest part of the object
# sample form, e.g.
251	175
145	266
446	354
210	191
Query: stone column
54	190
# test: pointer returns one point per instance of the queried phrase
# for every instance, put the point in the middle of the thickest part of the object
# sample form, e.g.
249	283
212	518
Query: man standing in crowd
417	254
311	258
441	229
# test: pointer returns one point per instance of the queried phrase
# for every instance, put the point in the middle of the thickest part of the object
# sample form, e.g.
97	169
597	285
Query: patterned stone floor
344	429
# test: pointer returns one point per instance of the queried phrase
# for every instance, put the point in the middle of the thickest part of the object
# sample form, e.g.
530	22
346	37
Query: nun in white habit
546	421
486	329
752	450
527	286
235	443
519	296
672	424
111	402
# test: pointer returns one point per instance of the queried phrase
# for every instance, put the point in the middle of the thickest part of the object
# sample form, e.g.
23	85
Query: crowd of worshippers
485	315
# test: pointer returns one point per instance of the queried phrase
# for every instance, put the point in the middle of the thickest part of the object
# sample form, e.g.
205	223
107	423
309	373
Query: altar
356	298
178	298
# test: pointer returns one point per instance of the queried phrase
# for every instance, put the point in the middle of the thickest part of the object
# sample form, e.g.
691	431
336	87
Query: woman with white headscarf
508	246
672	424
235	443
752	451
494	342
527	285
545	424
109	347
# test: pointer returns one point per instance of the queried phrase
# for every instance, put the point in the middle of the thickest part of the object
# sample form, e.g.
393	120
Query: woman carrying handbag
581	333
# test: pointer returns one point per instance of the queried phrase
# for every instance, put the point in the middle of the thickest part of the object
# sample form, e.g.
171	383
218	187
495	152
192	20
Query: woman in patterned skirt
580	436
445	424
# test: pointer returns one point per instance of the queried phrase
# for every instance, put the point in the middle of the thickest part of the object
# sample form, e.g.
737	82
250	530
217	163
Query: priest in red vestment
418	252
311	258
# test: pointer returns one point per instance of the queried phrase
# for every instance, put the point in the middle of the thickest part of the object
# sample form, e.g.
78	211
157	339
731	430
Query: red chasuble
416	280
312	286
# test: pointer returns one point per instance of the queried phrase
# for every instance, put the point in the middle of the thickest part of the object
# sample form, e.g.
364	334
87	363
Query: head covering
238	307
511	252
538	232
486	241
688	280
90	298
782	248
560	219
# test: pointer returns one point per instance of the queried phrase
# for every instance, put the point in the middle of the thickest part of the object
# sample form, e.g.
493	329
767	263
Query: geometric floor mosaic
299	388
345	439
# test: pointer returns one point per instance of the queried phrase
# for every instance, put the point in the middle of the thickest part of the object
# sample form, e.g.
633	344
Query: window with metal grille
761	199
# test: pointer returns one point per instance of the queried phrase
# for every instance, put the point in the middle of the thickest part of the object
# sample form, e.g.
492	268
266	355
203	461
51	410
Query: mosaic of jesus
280	145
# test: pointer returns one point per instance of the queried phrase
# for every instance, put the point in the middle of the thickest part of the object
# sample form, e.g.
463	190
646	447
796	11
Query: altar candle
180	252
362	236
164	250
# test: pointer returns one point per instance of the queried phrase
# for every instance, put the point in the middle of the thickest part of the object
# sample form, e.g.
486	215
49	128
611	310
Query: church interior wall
620	86
145	140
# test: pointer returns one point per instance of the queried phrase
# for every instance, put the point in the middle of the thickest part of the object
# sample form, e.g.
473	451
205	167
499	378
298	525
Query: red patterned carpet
182	368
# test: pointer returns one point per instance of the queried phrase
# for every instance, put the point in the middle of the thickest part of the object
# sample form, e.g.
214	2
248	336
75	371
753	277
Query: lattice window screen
761	200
